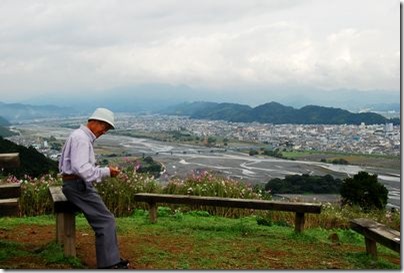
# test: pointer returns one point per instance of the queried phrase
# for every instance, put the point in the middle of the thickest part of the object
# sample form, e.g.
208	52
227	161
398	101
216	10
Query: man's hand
114	171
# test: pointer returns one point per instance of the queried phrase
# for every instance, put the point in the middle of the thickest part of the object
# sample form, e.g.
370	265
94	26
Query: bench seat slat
9	207
229	202
10	190
60	202
377	232
57	194
9	201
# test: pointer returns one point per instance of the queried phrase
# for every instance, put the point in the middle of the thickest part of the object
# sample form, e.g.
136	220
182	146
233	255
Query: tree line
363	189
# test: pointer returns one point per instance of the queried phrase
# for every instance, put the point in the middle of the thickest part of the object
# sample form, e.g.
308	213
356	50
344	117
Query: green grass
23	257
53	254
196	240
10	249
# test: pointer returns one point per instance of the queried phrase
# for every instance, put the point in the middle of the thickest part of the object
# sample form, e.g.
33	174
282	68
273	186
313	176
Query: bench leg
371	247
60	226
299	222
153	212
69	242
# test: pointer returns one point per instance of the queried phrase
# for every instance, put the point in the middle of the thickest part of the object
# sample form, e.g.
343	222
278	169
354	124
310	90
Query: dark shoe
123	264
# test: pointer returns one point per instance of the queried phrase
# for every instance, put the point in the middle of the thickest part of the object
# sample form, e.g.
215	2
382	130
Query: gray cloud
48	46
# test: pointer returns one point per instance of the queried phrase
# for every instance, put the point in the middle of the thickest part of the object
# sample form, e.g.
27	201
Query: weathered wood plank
9	160
377	232
229	202
60	202
10	190
9	207
299	208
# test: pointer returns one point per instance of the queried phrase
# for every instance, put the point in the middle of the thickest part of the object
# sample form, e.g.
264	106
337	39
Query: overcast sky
48	47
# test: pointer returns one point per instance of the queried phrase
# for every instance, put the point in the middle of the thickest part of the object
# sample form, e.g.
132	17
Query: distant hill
4	122
33	163
275	113
4	131
16	111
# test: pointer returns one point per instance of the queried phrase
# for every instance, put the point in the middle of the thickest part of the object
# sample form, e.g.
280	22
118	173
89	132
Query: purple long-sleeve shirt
78	156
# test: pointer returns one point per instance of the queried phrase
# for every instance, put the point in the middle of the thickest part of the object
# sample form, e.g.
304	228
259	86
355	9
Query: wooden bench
9	193
376	232
299	208
65	220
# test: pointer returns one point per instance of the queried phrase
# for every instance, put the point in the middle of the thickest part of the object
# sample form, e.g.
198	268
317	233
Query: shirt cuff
105	172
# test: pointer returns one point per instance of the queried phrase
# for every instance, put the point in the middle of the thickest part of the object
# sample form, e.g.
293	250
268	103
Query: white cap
103	114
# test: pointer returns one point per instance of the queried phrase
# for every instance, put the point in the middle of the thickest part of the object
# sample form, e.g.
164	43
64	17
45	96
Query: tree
211	140
302	184
340	161
365	191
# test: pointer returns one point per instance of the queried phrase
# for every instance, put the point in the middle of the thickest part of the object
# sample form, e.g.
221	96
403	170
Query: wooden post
153	212
371	247
9	160
69	234
60	226
299	222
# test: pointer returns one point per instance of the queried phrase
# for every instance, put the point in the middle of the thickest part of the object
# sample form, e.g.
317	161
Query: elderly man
79	172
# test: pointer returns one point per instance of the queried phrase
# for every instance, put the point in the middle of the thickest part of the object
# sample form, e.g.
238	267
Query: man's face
100	128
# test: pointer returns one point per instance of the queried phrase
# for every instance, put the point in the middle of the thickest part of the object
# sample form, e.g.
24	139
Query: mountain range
274	113
155	96
18	111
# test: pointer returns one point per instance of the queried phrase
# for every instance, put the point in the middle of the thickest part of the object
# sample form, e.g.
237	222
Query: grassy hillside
193	240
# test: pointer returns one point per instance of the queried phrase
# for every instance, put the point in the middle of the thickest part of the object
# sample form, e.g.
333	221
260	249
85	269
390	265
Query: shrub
204	183
365	191
35	198
118	192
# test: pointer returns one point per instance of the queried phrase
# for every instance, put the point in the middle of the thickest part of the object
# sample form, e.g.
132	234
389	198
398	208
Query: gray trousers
86	197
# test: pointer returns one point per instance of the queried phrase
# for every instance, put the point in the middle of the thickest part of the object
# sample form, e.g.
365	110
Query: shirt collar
88	133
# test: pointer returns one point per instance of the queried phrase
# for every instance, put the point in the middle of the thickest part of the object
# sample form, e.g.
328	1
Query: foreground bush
206	184
118	192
